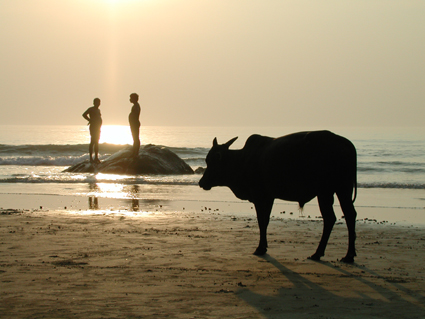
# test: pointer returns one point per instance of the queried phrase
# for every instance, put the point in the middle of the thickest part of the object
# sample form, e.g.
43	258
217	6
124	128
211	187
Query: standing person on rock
133	119
92	114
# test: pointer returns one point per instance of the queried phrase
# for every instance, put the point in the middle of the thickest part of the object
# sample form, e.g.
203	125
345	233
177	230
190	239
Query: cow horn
215	142
231	142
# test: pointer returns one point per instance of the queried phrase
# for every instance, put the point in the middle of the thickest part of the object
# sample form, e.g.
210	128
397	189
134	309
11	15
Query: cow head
216	160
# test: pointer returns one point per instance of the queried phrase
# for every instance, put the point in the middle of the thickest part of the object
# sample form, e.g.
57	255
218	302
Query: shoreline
389	206
62	264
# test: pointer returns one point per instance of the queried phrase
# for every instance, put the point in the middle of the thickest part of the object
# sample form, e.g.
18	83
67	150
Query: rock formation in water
152	159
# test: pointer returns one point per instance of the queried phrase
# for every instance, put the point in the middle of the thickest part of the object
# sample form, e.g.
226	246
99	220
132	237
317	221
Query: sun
120	2
116	134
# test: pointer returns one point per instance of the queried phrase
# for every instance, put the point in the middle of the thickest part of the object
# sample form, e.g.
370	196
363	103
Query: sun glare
116	134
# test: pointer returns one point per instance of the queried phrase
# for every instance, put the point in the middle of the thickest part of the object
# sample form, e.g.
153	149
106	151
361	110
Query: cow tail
355	176
355	189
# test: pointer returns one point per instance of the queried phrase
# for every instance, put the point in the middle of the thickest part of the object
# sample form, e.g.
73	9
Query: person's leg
95	147
91	147
135	131
96	152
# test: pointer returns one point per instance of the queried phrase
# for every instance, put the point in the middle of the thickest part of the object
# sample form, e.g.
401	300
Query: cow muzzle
202	184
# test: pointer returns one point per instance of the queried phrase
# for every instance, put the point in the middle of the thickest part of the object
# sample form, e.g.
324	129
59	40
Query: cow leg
329	219
263	209
350	214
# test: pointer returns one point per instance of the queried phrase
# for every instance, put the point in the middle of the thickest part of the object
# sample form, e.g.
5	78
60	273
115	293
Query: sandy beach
187	264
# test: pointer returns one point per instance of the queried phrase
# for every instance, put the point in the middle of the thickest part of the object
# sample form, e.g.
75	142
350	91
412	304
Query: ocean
391	164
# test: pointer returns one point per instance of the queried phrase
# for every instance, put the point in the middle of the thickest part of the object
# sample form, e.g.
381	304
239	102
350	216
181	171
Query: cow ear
231	142
215	142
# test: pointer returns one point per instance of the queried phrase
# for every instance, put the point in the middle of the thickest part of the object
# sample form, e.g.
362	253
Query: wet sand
187	264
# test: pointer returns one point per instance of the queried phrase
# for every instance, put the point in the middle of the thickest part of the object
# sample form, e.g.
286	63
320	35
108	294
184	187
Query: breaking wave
67	155
373	171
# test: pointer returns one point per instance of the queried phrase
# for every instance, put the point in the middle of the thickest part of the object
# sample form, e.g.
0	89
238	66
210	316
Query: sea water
33	158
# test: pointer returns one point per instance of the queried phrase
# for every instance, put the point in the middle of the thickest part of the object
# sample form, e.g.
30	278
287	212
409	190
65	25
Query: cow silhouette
296	167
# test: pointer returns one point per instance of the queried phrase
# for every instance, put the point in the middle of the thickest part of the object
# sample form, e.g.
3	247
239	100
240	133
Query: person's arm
86	113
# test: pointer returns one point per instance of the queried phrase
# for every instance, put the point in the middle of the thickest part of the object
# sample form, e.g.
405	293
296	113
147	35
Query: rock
200	170
152	159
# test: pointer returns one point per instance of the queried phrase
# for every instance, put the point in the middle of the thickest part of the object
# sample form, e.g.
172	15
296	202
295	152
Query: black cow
296	167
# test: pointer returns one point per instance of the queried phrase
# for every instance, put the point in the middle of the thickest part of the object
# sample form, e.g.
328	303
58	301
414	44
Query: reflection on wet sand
131	192
93	201
135	201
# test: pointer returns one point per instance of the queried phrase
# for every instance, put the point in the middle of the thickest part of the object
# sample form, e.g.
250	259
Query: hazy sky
219	62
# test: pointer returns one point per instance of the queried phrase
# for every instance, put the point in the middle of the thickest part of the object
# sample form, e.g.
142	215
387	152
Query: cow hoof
314	257
260	251
347	260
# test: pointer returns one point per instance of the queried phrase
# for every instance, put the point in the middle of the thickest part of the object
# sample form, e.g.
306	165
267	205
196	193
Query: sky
214	62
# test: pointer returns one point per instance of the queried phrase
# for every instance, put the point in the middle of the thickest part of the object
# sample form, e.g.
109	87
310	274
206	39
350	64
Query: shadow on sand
333	292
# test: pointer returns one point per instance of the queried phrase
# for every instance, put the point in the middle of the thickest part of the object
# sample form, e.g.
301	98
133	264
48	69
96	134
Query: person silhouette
92	114
133	119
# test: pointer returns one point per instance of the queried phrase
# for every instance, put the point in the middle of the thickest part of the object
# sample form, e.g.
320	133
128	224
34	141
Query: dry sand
60	264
